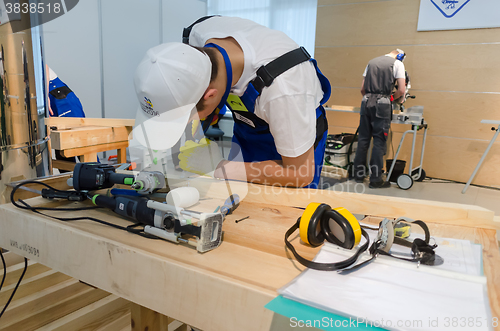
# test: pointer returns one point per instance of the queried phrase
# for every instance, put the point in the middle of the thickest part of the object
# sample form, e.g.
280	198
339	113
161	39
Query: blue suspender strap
229	72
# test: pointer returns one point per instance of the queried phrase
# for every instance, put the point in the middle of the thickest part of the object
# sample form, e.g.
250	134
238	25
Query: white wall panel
129	29
180	14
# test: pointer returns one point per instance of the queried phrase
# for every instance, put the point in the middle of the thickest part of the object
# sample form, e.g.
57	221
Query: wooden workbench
227	288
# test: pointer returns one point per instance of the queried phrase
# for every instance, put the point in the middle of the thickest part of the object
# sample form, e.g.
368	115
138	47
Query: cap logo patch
147	107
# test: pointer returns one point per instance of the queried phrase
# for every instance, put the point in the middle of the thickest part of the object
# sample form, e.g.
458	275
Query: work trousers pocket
364	101
384	108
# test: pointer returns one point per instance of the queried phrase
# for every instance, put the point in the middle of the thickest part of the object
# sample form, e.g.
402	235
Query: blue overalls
253	137
251	134
63	101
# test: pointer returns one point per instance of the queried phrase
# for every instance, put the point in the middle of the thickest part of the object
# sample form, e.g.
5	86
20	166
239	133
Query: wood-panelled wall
455	75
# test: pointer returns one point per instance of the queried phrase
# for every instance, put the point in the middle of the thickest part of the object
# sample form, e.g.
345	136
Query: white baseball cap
169	81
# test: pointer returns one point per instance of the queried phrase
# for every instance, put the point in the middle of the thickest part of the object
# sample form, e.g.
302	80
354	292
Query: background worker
379	80
63	102
280	126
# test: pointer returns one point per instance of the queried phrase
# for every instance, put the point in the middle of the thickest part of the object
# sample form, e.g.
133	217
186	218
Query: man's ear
210	93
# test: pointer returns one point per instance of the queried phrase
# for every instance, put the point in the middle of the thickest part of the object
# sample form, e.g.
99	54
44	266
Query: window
296	18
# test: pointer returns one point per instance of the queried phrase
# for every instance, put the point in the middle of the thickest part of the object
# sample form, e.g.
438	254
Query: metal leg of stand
482	159
414	141
396	156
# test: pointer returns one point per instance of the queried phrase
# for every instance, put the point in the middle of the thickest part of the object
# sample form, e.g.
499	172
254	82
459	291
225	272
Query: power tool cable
17	285
25	205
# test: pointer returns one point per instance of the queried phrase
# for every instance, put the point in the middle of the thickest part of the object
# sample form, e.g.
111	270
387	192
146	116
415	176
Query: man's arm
363	87
401	88
290	172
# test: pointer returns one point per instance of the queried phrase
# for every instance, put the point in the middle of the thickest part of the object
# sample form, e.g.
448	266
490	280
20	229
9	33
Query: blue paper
306	316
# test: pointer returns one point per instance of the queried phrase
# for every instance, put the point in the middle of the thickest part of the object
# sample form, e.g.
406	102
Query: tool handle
68	195
116	178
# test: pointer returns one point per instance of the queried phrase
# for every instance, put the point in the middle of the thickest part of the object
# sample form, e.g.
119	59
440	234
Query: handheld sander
166	221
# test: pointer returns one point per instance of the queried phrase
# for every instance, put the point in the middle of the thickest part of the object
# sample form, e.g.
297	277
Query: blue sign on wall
449	7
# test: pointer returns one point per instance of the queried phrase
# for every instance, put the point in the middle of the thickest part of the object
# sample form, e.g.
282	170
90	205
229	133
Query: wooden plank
102	313
32	304
354	22
32	285
63	165
357	203
344	108
11	259
491	253
122	154
88	136
14	272
57	181
147	319
123	323
94	149
74	122
91	157
49	305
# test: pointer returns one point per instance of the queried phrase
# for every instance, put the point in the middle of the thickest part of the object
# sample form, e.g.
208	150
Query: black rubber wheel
422	175
404	181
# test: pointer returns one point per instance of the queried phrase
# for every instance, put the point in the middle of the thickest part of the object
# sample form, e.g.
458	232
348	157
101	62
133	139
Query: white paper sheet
398	295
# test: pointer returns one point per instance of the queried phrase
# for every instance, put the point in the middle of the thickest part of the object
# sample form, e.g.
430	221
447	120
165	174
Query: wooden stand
85	137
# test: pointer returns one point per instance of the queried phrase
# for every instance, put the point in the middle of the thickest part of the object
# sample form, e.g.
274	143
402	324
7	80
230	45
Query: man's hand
201	158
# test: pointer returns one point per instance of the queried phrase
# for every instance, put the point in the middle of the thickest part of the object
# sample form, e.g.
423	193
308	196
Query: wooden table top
227	288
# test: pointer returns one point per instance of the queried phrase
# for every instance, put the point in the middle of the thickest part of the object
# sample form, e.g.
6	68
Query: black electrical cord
25	205
4	269
129	228
17	285
450	181
42	208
